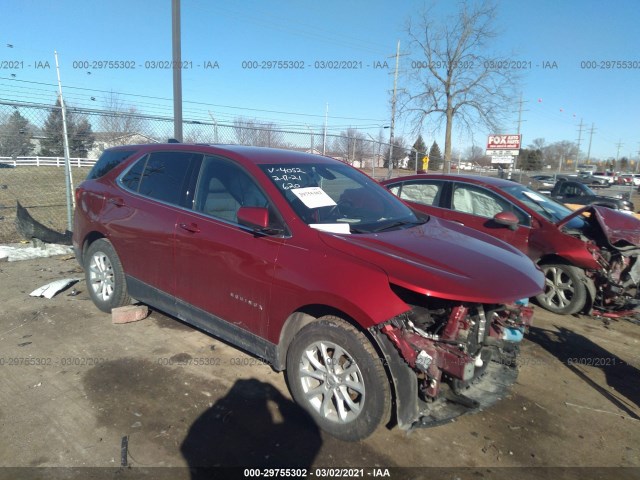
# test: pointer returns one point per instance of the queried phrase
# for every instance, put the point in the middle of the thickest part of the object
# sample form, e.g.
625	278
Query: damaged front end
613	239
449	358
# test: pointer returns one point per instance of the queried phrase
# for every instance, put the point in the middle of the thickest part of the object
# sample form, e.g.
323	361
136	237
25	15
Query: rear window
109	160
161	175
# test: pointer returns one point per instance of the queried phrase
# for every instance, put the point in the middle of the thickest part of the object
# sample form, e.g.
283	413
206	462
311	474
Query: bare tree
537	144
562	154
400	152
261	134
350	146
120	121
452	77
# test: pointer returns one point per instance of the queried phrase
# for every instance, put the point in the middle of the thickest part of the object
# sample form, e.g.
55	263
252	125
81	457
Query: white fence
46	161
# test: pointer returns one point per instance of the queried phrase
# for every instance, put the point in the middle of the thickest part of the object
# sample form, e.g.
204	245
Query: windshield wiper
399	223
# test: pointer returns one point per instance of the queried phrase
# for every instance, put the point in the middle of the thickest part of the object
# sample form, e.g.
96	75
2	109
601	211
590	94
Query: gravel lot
73	386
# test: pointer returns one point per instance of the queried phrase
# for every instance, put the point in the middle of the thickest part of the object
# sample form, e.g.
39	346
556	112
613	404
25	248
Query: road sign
502	158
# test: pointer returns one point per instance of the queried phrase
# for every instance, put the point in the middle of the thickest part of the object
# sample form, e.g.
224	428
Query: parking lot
79	391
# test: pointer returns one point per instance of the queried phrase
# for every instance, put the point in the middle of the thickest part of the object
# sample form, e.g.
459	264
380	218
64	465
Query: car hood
446	260
620	229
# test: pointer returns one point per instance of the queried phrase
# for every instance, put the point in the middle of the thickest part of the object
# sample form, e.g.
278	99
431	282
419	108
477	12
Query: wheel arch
588	282
88	240
402	384
301	318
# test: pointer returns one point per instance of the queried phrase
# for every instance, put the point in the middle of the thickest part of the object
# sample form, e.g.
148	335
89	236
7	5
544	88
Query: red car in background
589	257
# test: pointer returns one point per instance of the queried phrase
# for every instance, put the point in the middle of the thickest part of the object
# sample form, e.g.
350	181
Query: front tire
564	292
334	373
104	276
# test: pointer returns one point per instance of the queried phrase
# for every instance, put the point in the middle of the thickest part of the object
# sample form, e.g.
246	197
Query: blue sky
230	33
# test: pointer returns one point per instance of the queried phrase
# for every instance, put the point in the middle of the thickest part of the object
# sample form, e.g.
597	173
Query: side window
223	188
424	193
395	189
164	176
131	179
573	191
478	201
109	160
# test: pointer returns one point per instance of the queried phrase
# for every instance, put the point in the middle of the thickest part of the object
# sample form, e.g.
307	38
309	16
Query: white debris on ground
17	251
50	289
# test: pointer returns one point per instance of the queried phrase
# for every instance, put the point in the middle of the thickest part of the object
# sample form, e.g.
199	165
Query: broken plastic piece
51	289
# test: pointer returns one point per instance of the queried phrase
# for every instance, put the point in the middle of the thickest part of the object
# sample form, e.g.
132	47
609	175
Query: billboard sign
504	142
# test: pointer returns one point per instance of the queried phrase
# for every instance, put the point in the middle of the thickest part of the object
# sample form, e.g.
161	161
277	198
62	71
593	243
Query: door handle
190	227
117	201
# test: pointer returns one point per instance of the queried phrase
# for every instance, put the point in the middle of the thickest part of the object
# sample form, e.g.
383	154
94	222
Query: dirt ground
74	387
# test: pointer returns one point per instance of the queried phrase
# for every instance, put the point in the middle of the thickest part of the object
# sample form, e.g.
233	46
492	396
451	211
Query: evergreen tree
530	159
82	139
79	132
15	136
420	147
435	157
624	164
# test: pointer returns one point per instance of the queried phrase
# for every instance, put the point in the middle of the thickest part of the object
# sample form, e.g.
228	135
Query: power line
199	103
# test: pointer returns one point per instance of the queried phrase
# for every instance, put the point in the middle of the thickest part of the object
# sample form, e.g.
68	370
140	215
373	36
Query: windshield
550	209
338	198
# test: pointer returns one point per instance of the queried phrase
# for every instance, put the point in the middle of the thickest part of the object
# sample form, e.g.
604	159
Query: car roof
477	179
257	155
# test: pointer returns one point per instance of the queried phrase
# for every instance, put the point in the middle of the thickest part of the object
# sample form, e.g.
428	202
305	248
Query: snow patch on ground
16	252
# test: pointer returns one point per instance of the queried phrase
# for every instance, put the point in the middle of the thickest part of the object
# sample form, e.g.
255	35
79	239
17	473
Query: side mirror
256	218
508	219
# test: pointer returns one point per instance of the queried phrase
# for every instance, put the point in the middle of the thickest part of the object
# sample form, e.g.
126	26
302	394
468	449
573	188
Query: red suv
374	312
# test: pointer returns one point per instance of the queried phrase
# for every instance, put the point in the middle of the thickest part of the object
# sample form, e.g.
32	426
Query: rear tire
104	276
564	292
335	374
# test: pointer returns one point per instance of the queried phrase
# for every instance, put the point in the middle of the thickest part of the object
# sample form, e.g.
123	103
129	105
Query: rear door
141	218
423	195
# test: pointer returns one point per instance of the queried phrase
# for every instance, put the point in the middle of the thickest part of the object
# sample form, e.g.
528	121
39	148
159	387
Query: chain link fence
32	165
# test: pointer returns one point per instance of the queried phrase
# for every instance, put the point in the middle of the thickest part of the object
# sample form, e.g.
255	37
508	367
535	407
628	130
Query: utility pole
324	136
590	138
67	161
520	103
579	141
515	163
619	144
393	112
177	70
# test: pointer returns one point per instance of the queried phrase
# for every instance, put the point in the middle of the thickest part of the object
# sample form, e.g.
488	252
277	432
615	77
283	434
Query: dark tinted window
164	176
131	180
108	161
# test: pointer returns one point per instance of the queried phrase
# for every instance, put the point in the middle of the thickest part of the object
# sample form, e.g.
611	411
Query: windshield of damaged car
545	206
339	199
